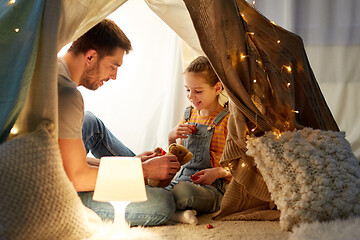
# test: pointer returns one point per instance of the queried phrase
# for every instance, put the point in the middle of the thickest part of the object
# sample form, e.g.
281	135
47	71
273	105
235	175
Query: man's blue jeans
160	205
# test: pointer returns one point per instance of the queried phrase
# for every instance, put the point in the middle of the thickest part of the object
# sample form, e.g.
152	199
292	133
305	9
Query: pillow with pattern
312	175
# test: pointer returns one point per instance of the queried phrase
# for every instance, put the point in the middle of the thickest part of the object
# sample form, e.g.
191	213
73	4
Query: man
90	61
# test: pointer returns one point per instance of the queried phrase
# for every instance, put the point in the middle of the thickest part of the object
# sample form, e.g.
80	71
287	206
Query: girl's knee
184	193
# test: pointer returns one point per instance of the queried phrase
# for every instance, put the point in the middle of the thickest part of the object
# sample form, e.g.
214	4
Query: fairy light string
287	67
12	4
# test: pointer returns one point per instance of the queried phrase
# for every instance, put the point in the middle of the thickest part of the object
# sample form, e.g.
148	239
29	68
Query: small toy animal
183	155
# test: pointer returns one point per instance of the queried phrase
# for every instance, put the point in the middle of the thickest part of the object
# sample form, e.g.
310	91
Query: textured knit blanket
312	175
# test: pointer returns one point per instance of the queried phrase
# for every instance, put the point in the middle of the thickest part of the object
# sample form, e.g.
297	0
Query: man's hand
161	167
146	155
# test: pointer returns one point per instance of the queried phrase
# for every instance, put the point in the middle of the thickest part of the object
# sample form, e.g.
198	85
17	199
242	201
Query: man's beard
88	76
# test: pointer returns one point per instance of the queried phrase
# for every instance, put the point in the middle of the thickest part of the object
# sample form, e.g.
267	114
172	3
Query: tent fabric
170	11
45	27
20	55
28	71
271	86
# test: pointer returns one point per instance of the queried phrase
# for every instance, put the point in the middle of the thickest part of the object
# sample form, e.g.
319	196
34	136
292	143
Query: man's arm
84	177
78	171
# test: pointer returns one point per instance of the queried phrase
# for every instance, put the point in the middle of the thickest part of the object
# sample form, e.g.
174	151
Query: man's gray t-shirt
71	104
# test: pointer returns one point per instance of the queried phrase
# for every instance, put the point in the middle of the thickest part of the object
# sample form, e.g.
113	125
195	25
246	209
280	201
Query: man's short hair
104	38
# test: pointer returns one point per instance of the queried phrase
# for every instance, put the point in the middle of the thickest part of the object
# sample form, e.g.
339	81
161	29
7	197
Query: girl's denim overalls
198	144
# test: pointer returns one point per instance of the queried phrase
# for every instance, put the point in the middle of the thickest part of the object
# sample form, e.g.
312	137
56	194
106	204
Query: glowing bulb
253	130
251	33
254	81
16	30
277	133
288	68
288	84
243	165
14	130
12	1
242	56
278	41
254	3
242	15
295	111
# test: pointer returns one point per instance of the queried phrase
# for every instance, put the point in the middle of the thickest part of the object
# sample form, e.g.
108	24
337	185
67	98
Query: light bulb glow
243	165
242	56
12	2
278	41
14	130
254	80
277	135
16	29
288	84
288	68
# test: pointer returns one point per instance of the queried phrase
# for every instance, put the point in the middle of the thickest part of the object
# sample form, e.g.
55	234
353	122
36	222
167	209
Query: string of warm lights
14	131
288	68
253	130
12	3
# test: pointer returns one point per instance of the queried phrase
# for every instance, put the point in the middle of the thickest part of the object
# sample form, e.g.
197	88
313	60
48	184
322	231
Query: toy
183	155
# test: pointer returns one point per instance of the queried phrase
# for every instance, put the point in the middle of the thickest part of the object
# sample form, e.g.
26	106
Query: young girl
199	185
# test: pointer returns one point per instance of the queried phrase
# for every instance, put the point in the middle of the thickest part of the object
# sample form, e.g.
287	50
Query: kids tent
263	67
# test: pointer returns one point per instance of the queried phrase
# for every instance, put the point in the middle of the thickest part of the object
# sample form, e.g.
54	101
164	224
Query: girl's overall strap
220	116
187	113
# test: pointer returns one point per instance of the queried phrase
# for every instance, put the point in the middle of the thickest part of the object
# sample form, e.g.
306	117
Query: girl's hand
205	176
181	131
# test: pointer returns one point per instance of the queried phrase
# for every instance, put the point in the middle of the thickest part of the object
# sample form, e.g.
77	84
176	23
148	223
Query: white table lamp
120	181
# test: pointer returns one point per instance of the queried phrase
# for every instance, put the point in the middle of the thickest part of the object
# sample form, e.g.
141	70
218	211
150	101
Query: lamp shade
120	179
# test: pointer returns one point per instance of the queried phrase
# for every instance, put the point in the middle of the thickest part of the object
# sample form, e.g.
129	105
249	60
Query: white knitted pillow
312	175
37	201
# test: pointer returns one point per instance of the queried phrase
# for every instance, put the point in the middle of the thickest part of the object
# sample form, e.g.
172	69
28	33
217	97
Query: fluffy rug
245	230
334	230
251	230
